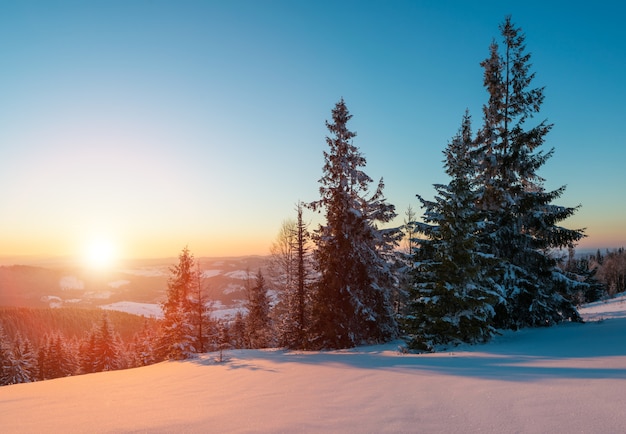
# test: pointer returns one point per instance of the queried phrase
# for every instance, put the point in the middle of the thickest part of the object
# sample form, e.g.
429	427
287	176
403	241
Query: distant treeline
609	269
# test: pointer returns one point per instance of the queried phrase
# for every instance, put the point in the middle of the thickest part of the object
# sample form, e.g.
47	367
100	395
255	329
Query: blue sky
160	124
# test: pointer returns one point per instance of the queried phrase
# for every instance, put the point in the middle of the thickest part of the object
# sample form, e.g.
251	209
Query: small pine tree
223	341
6	358
106	355
291	267
42	359
237	332
258	319
199	312
178	334
144	346
57	359
22	364
87	348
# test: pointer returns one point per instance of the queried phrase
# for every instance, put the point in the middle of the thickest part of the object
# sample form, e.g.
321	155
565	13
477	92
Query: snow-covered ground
564	379
605	309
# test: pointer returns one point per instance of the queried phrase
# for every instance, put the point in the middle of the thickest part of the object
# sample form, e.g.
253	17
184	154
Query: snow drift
568	378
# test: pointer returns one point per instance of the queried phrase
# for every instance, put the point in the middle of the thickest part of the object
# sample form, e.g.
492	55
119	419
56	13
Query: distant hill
71	322
59	284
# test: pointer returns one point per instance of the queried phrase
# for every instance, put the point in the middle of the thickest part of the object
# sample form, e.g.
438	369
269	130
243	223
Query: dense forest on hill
73	323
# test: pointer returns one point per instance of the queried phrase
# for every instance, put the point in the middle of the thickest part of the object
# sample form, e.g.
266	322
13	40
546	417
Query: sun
100	253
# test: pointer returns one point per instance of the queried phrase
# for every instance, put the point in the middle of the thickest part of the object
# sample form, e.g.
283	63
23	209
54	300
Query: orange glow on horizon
103	251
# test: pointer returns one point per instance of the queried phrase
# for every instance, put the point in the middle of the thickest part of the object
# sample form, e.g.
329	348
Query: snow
211	273
239	274
52	300
118	283
232	287
147	272
144	309
71	282
221	312
605	309
568	378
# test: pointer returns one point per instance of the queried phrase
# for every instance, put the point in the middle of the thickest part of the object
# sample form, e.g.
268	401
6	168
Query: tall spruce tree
452	293
522	221
351	303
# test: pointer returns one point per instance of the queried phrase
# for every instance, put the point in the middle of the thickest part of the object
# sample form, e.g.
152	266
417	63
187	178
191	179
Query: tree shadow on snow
569	351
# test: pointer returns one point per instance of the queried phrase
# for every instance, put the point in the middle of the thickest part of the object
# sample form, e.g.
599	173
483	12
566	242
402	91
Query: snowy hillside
569	378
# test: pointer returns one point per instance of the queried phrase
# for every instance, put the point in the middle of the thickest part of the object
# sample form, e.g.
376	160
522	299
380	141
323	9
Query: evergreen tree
22	366
6	358
521	220
88	352
405	263
42	359
282	274
106	349
452	293
144	346
224	340
237	332
352	302
300	312
57	359
200	313
178	334
258	319
290	266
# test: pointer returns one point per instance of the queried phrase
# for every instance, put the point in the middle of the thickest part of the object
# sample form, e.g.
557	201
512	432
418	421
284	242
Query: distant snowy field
569	378
144	309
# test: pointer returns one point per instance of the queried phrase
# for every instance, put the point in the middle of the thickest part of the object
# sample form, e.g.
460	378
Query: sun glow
100	253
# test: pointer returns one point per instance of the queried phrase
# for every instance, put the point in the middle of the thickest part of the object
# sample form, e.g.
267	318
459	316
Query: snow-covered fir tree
237	331
106	348
204	326
258	325
6	357
177	333
522	223
452	293
352	303
22	366
87	352
144	346
55	358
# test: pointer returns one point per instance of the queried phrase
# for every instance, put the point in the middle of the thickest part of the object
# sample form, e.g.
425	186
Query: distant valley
135	286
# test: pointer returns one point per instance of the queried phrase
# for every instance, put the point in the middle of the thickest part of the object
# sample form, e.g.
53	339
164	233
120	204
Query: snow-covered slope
569	378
